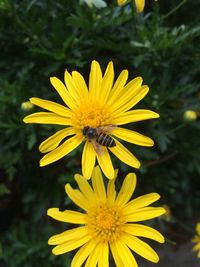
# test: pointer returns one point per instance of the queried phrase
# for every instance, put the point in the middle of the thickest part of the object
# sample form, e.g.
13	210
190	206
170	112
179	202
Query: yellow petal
88	160
68	216
141	202
77	197
53	141
140	247
85	187
126	255
73	90
111	192
116	254
69	246
93	258
51	106
80	83
62	91
61	151
134	115
98	184
132	137
117	88
82	254
95	80
103	255
107	83
126	190
144	231
144	214
125	155
140	5
47	118
68	236
121	2
131	94
106	164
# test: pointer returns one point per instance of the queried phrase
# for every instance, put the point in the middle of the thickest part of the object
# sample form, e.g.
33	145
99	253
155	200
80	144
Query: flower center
105	223
91	113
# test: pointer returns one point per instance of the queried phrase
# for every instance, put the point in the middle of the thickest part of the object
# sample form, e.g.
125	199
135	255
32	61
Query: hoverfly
100	137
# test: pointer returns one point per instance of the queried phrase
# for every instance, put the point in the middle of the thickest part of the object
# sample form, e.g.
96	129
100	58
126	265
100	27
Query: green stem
175	9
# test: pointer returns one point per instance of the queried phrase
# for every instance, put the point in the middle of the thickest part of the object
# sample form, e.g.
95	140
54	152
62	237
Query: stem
175	9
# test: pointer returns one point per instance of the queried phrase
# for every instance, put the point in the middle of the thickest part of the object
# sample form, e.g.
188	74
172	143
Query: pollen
105	223
91	113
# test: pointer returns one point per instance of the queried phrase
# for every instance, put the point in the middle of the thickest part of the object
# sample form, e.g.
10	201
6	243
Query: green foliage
39	39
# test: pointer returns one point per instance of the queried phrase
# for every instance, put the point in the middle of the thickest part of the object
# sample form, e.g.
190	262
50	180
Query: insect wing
98	148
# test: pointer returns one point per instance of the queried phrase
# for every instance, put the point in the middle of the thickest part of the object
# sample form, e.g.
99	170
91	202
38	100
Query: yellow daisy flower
196	240
93	116
108	223
138	3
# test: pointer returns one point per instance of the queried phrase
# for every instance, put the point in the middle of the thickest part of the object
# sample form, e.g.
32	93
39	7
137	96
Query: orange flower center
105	223
91	113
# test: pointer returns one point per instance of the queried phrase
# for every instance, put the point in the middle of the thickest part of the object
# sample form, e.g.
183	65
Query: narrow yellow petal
131	94
77	197
68	216
88	160
141	202
95	80
80	83
73	90
69	246
126	255
103	255
61	151
134	115
116	254
106	164
111	192
85	187
117	88
132	137
121	2
144	231
126	190
140	247
47	118
62	91
125	155
51	106
98	184
144	214
93	258
140	5
53	141
82	254
68	236
107	83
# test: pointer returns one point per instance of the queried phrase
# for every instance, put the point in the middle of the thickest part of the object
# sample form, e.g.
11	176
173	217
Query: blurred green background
39	39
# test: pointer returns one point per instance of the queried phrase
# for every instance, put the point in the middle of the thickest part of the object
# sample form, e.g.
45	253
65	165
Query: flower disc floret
108	223
104	102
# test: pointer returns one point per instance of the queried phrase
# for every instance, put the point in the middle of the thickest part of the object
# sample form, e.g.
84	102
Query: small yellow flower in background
138	3
93	116
27	105
190	115
108	223
196	240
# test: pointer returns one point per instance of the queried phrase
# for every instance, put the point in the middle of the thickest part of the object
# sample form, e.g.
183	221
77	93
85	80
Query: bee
100	137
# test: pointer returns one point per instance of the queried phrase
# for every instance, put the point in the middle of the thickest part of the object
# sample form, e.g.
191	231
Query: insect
100	137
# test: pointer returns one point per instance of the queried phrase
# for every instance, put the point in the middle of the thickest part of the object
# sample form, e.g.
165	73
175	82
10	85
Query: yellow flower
138	3
190	115
27	105
105	105
108	223
196	240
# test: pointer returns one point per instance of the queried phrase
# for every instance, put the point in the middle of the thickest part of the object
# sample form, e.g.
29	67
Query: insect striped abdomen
106	140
